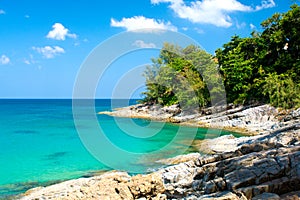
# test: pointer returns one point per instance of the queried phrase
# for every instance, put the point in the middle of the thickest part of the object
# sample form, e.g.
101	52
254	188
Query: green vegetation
175	77
263	68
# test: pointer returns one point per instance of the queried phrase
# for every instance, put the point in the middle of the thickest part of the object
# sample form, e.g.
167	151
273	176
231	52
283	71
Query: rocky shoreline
250	120
264	166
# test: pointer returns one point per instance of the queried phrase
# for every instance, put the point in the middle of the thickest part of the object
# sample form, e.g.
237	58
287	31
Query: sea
41	144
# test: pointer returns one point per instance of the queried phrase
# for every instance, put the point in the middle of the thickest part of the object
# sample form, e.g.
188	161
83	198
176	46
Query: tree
282	90
176	76
251	65
262	68
239	67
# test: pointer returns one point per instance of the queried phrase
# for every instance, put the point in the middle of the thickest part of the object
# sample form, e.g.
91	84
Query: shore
249	120
265	165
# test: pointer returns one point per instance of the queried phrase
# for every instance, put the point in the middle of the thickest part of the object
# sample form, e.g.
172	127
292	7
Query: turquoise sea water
40	144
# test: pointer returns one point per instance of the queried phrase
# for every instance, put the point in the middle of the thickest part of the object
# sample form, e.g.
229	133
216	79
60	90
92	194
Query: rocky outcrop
259	167
250	119
145	111
264	166
246	119
111	185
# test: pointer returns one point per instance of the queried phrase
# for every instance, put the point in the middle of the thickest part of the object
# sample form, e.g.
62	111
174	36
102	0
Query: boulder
266	196
148	186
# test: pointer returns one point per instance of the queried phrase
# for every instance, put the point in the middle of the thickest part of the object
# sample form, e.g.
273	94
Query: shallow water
40	144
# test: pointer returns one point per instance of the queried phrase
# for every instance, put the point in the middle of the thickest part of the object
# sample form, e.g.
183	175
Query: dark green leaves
266	66
177	77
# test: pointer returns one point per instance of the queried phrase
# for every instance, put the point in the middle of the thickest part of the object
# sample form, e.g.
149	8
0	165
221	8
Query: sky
43	44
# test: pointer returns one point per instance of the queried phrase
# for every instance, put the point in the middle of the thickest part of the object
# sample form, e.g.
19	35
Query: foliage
264	68
251	65
177	76
282	90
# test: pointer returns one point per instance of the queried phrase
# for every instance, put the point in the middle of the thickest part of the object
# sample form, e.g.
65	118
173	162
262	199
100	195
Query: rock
148	186
251	171
86	188
179	159
258	167
220	196
246	119
295	195
173	109
210	187
255	167
266	196
223	144
113	185
296	113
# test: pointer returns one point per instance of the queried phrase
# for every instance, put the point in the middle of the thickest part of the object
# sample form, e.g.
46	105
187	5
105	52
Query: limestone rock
266	196
179	159
147	186
266	163
221	196
258	167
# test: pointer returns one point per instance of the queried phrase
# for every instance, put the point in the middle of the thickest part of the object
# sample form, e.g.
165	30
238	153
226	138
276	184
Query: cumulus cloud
4	60
143	44
2	12
140	23
265	4
215	12
49	52
59	32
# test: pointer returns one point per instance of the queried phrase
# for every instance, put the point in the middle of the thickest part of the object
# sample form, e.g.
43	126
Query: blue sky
44	43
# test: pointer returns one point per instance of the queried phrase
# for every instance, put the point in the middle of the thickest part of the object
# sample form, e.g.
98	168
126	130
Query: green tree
262	68
239	67
282	90
247	64
176	76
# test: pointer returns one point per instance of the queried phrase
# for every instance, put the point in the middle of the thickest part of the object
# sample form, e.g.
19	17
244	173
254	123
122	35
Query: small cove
40	144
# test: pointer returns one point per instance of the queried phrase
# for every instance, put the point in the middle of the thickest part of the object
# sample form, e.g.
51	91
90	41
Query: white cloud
2	12
49	52
160	1
252	26
4	60
215	12
199	30
240	26
140	23
265	4
142	44
59	32
30	60
27	62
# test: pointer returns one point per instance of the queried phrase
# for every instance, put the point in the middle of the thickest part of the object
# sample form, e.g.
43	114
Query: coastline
266	163
247	120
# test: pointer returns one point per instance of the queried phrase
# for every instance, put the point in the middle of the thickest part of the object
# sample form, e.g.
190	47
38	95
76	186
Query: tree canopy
264	68
178	76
